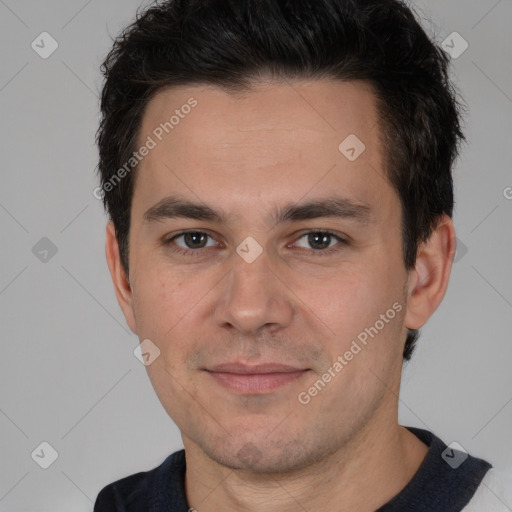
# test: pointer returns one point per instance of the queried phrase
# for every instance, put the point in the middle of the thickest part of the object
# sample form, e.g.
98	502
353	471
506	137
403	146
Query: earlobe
120	280
428	281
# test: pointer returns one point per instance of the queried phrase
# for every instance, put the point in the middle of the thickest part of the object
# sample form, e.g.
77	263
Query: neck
367	472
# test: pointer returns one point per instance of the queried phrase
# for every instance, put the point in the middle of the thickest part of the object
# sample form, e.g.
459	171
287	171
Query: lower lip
256	383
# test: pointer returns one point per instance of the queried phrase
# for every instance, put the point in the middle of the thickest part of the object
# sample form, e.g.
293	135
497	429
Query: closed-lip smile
255	379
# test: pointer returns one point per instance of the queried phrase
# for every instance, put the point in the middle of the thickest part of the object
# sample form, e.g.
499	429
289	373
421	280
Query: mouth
258	379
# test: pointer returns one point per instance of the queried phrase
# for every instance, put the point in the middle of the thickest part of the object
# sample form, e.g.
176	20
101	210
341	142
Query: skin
247	156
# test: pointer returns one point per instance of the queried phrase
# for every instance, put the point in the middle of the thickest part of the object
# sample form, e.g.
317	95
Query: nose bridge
252	296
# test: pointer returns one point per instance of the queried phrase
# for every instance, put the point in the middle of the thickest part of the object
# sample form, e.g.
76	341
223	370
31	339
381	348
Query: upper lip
240	368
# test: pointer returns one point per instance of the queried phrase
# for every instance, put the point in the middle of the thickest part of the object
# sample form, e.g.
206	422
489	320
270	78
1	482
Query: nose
253	296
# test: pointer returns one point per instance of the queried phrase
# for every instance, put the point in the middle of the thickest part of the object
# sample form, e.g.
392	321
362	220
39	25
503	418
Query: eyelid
168	239
340	236
342	241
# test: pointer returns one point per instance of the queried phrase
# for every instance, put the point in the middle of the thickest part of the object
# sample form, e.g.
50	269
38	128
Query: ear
120	280
428	280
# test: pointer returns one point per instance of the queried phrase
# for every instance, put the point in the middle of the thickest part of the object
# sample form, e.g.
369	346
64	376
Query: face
266	266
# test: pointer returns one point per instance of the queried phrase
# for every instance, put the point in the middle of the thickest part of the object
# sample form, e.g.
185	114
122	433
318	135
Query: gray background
69	376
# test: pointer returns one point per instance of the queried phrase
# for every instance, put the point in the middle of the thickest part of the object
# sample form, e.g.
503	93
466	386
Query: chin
263	456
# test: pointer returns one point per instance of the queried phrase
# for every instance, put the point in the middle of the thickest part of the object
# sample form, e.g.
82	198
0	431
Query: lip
240	368
257	379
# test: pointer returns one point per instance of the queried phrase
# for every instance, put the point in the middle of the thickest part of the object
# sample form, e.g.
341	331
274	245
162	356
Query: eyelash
314	252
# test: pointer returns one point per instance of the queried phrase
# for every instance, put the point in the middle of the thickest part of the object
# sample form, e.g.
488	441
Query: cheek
165	304
346	299
161	300
363	304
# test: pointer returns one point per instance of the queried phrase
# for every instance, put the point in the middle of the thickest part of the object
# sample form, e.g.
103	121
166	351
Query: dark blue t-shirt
442	484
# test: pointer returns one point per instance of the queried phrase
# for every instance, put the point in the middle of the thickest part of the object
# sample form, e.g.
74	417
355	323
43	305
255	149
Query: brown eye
321	241
195	239
190	242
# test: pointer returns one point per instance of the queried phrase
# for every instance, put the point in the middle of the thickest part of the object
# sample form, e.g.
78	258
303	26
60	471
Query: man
278	178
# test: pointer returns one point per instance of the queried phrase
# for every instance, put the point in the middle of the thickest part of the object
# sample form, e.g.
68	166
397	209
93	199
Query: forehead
277	139
317	108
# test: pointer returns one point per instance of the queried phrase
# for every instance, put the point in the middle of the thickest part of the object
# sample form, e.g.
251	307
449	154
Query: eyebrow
338	207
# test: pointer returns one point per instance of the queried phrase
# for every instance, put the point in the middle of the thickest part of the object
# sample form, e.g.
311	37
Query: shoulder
126	492
134	492
494	493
